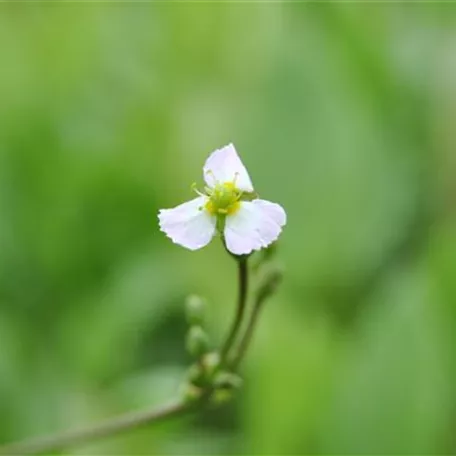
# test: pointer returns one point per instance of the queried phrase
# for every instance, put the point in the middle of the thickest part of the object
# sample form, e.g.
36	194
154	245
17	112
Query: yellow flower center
224	199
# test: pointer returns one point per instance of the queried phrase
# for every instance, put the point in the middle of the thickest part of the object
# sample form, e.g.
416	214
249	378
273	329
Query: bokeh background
343	113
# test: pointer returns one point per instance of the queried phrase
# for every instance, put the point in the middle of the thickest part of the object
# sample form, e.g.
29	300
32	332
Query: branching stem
138	419
247	336
110	427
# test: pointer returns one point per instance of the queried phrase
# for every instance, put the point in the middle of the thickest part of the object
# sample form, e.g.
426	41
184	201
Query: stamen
195	189
236	177
210	173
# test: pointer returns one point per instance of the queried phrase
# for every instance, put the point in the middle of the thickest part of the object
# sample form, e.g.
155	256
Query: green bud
221	396
211	363
190	393
227	380
195	375
195	307
271	277
265	256
197	341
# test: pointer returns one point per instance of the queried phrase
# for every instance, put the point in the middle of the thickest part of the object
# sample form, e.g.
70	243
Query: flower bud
195	375
211	363
227	381
197	341
190	393
195	307
265	256
222	396
271	277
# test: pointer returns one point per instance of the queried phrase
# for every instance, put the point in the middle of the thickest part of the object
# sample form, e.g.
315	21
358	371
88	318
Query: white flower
229	205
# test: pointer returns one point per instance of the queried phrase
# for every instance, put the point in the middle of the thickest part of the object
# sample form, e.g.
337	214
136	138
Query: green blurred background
343	113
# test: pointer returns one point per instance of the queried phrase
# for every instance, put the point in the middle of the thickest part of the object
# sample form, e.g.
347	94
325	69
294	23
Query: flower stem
110	427
247	336
105	429
269	286
143	418
243	276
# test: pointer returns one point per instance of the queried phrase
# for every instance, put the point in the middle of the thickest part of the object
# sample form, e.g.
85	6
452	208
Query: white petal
256	225
224	165
275	211
188	225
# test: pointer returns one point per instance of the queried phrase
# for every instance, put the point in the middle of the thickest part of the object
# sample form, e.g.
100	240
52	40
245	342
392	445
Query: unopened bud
190	393
211	363
227	381
197	341
195	375
271	278
195	307
265	256
222	396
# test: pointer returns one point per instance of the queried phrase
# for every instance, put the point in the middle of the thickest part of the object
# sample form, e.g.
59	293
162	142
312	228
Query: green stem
240	309
272	277
110	427
135	420
247	337
268	287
